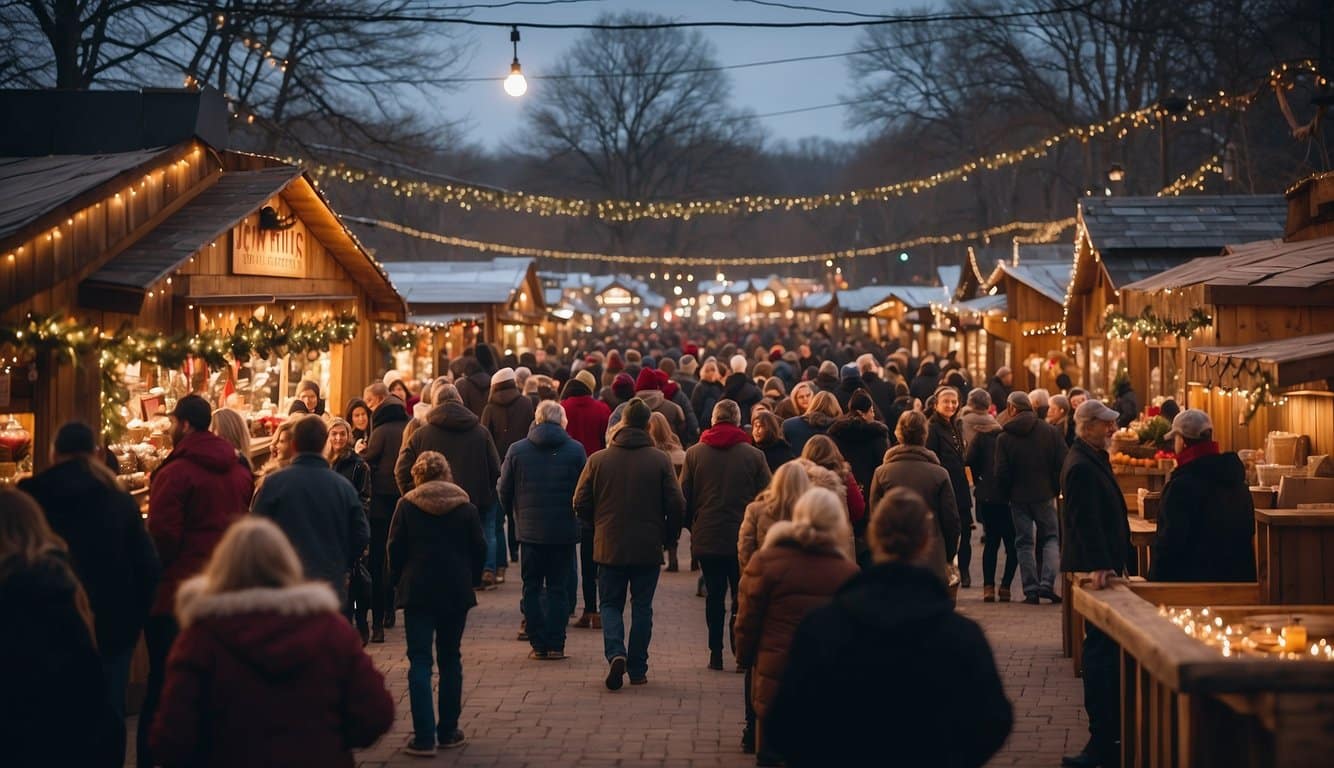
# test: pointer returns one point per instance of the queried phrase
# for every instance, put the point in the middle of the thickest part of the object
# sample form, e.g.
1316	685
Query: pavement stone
518	712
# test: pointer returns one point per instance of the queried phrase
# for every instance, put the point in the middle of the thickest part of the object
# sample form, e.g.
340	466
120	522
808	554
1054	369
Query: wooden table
1294	558
1186	706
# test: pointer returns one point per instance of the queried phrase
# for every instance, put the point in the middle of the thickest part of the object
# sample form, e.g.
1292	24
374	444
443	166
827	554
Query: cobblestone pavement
518	712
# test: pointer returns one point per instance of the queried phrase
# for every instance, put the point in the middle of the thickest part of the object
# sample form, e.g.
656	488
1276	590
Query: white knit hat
738	364
392	375
502	375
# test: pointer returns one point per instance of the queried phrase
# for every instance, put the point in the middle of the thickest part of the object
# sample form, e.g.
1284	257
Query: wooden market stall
1204	684
1030	325
907	315
186	268
1121	240
501	301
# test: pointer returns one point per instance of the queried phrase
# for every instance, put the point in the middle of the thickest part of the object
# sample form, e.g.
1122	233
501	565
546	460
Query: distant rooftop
1188	222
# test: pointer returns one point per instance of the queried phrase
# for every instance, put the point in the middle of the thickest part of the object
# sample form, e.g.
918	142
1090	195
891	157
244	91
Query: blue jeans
489	518
1040	515
421	629
642	582
546	593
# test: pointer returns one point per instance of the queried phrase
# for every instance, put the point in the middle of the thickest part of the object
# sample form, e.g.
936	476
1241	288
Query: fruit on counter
1164	455
1125	460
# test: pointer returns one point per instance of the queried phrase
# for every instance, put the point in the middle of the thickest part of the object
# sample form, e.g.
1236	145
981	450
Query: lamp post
1173	105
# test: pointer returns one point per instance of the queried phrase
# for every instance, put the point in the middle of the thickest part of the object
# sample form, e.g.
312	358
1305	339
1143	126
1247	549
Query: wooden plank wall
1309	414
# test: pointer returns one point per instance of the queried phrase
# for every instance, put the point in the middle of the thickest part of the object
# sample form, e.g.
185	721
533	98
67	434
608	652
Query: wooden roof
1049	278
30	187
1250	271
1188	222
1288	362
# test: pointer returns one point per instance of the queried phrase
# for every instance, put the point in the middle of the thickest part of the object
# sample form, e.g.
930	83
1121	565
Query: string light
1192	181
467	196
1049	227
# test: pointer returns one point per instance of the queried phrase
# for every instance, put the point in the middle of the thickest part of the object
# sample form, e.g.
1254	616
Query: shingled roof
1304	264
1189	222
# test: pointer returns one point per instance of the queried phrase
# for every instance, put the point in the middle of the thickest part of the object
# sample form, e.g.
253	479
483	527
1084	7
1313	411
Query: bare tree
652	119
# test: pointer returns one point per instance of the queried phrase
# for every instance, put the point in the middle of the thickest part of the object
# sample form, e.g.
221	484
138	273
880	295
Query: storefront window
16	430
1165	378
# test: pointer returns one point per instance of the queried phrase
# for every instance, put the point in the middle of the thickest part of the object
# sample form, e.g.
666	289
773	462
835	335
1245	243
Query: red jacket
587	419
267	677
198	491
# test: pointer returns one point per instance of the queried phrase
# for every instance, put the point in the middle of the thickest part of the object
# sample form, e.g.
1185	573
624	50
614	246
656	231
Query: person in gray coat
317	508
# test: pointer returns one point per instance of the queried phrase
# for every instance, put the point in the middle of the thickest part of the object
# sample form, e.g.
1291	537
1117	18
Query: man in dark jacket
629	494
537	483
474	386
195	494
993	508
723	473
507	416
452	430
1029	456
740	389
1097	543
882	390
1000	386
388	420
317	508
109	550
1208	518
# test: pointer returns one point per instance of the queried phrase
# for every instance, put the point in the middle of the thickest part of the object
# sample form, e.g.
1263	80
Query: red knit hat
648	379
614	361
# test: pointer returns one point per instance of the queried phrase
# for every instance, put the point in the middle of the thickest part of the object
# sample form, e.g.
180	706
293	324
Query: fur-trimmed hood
911	453
194	602
824	478
437	497
807	538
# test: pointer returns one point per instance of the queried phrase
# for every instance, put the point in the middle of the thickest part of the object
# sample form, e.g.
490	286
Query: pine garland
1149	326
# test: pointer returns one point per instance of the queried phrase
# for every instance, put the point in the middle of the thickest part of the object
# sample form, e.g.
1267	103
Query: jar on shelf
15	441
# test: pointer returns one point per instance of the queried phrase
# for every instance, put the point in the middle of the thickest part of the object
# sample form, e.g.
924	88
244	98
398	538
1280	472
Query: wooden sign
270	252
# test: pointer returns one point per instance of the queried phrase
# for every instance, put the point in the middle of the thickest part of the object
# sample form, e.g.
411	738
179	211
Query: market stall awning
1263	272
1284	362
120	284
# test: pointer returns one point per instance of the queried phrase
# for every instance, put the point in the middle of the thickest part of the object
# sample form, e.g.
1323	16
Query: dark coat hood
1022	424
894	597
504	393
453	416
437	497
548	435
390	411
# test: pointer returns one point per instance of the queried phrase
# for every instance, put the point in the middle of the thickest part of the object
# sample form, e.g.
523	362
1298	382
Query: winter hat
586	378
849	371
501	376
637	414
648	379
762	370
688	365
75	438
392	376
632	357
776	353
614	363
738	364
650	362
623	386
691	349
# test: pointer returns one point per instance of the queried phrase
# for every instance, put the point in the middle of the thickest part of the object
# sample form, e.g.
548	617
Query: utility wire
792	7
315	15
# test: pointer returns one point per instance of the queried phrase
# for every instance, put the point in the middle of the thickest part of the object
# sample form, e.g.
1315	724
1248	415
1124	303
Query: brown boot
988	593
1003	594
595	621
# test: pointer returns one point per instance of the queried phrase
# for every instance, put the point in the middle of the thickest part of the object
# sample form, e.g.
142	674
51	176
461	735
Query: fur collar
193	601
437	497
806	538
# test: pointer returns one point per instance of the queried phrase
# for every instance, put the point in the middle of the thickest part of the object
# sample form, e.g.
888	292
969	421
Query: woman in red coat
265	672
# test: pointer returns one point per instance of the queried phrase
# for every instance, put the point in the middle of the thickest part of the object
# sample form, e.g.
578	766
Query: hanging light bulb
515	84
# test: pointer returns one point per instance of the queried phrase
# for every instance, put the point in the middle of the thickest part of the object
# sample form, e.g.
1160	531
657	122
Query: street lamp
1116	174
515	84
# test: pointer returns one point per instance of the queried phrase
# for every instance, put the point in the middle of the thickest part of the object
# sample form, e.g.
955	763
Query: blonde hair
788	484
801	386
819	520
661	432
26	538
431	465
338	423
276	462
254	553
230	426
822	450
826	403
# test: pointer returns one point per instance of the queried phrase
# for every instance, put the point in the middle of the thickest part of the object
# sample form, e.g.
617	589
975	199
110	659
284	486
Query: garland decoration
398	339
1149	326
259	337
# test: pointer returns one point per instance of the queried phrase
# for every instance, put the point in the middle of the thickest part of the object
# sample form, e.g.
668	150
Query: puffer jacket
723	473
628	494
537	482
912	466
762	513
436	549
793	574
196	493
741	390
455	432
507	416
382	448
267	676
1029	456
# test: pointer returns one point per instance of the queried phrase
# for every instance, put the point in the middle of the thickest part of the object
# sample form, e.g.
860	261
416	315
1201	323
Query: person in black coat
1029	456
882	390
1208	518
1096	541
740	389
109	550
707	393
766	429
861	439
348	463
1127	404
1000	386
924	384
945	439
381	451
436	554
893	628
537	482
993	509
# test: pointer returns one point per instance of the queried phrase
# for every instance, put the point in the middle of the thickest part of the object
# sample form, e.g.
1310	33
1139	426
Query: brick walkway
518	712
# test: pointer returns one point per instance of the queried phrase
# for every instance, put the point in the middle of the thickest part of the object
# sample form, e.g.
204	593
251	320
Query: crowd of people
830	493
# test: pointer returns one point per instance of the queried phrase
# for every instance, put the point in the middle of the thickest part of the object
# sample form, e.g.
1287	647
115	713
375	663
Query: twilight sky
492	116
